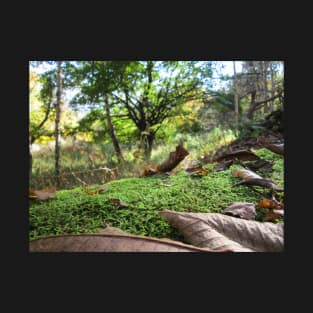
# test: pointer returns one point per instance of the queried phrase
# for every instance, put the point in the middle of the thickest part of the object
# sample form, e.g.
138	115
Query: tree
97	80
236	96
152	90
253	83
58	108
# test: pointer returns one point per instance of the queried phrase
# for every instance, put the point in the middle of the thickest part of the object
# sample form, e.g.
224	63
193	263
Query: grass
73	211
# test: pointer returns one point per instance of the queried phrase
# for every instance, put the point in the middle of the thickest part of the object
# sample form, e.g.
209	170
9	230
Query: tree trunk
252	106
57	122
236	95
272	88
148	142
116	145
265	96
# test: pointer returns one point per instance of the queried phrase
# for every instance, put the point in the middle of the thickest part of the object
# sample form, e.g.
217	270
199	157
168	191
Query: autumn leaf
174	158
273	215
149	170
111	241
197	171
118	203
243	155
194	167
245	174
271	204
265	183
218	231
96	191
165	183
169	164
43	194
223	165
244	210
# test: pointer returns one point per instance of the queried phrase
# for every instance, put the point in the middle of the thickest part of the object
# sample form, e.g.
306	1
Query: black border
173	267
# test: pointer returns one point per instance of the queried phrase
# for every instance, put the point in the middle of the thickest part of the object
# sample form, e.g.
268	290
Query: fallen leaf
118	203
169	164
218	231
244	210
149	170
165	183
43	194
174	158
197	171
273	215
262	165
243	155
222	165
271	204
96	191
276	148
111	242
265	183
245	174
194	167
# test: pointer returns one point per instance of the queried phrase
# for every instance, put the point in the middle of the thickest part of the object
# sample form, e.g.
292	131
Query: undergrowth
73	211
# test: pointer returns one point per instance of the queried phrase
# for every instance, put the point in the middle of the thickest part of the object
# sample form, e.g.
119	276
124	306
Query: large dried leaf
244	210
118	203
245	174
243	155
271	204
261	165
96	191
218	231
110	242
174	158
223	165
276	148
43	194
265	183
149	170
273	215
169	164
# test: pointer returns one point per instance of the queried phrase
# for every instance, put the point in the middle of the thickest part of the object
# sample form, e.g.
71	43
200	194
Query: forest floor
134	204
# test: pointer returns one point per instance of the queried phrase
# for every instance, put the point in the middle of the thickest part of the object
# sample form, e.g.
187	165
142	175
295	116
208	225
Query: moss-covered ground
74	211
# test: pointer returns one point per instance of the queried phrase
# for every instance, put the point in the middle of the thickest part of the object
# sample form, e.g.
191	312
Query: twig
81	181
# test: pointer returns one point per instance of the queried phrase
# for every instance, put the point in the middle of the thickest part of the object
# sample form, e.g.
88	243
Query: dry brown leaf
273	215
169	164
243	155
222	166
276	148
165	183
149	170
219	231
43	194
96	191
110	242
271	204
265	183
174	158
197	171
118	203
244	210
245	174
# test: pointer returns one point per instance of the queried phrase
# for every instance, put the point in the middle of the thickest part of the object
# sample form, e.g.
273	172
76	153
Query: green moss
74	211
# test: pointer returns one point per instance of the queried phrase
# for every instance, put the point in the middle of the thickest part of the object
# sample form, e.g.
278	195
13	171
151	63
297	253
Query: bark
272	89
57	122
116	145
254	105
236	95
264	74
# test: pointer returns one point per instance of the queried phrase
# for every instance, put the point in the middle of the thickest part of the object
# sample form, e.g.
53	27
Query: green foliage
73	211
